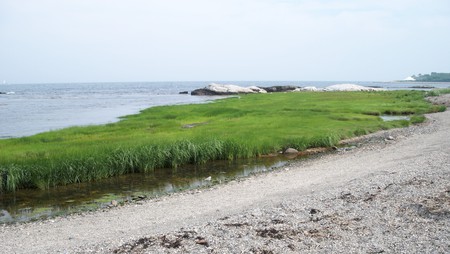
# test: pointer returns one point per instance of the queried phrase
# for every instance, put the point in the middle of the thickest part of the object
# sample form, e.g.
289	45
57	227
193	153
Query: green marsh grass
227	129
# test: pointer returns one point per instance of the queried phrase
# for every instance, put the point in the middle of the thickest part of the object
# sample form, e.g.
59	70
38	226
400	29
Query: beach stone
290	151
314	211
201	241
390	138
114	203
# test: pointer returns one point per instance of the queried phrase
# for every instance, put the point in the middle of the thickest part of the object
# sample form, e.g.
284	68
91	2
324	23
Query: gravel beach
387	192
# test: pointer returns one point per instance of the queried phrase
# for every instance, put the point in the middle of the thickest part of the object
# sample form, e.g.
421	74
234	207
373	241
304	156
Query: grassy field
170	136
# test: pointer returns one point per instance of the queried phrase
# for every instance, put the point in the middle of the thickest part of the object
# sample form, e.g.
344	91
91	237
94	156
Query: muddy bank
388	193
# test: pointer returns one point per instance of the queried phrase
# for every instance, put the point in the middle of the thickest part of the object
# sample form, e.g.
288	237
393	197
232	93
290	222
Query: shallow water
35	108
31	204
388	118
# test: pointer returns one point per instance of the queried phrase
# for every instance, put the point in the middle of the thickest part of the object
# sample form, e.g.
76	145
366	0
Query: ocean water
28	109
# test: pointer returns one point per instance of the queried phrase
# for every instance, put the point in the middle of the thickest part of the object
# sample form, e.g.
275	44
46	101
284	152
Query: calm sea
28	109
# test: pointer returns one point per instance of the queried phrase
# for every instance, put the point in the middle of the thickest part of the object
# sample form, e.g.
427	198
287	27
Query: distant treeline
433	77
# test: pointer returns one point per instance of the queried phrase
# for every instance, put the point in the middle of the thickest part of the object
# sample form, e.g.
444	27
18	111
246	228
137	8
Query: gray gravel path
382	196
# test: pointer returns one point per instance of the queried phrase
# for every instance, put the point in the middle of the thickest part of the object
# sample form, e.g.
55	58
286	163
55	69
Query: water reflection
30	204
388	118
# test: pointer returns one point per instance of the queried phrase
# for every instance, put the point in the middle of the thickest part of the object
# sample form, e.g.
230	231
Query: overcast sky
212	40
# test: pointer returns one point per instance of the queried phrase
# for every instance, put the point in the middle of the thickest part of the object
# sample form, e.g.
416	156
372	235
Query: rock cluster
221	89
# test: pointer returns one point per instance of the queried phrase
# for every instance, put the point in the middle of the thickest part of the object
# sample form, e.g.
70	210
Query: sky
54	41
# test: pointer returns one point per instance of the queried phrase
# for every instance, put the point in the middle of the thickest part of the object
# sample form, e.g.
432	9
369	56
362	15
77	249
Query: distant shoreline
417	82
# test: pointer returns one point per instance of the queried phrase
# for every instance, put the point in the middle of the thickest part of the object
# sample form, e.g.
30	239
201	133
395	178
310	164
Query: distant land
433	77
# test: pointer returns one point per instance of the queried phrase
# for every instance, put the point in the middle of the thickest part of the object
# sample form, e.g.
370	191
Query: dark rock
237	224
2	93
202	241
277	221
270	232
261	251
277	89
170	243
184	92
376	251
370	197
314	211
204	91
187	234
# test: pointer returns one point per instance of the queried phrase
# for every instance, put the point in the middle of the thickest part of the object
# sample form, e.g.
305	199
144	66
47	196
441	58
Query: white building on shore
409	79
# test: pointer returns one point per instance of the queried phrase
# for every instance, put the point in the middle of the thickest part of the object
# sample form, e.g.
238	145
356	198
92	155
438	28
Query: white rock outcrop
350	87
225	88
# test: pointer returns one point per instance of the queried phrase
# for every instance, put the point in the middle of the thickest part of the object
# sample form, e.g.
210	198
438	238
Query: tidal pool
32	204
388	118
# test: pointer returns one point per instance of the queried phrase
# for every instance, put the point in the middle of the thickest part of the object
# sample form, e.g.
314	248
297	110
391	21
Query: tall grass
171	136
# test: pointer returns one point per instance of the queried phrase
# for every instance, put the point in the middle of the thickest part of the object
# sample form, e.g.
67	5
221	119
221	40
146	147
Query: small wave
10	93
